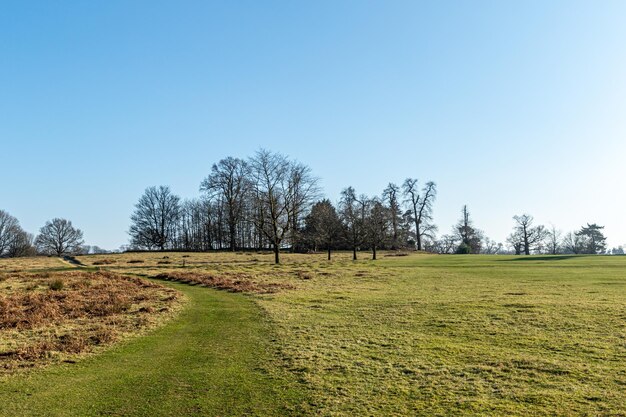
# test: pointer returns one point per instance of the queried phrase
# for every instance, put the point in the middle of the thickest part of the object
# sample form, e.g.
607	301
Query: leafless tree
490	247
14	241
155	218
390	197
283	191
531	237
9	227
376	225
573	243
229	182
59	237
352	211
303	190
421	204
553	240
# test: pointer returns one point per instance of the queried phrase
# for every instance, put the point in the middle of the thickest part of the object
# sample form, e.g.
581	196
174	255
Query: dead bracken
233	283
46	317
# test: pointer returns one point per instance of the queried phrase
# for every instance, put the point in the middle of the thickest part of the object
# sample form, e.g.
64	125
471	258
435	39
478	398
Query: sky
510	107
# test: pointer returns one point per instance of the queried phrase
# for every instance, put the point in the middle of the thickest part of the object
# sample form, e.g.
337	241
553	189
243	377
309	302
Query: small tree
322	226
59	237
573	243
376	225
353	212
553	240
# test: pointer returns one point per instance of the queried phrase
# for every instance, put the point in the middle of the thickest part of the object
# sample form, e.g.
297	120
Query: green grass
450	335
208	361
413	335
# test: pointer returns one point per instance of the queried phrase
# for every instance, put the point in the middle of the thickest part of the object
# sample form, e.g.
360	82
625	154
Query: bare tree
229	182
573	243
14	241
490	247
553	240
283	191
390	196
353	212
531	237
303	190
155	218
376	225
421	205
9	227
59	237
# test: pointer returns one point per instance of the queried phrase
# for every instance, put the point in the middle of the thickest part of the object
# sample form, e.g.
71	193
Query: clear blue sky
510	107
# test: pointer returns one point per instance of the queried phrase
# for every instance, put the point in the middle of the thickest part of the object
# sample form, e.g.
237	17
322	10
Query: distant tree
595	241
390	197
21	245
323	226
531	237
469	237
9	229
376	225
516	241
154	221
553	240
447	243
353	212
618	250
283	192
229	181
421	204
573	243
490	247
59	237
14	241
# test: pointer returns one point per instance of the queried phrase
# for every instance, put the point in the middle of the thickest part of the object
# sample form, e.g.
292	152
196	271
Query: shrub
56	285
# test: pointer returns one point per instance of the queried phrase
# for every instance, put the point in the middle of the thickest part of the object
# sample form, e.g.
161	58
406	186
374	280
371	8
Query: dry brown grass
229	282
47	317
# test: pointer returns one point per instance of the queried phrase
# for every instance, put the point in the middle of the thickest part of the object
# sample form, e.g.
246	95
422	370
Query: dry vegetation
52	316
232	283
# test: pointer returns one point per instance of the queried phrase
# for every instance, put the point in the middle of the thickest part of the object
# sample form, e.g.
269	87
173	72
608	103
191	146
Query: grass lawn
411	335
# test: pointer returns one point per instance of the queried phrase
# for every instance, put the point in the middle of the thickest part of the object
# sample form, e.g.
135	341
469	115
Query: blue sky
511	107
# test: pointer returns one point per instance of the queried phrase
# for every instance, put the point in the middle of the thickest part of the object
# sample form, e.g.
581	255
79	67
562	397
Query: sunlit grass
433	335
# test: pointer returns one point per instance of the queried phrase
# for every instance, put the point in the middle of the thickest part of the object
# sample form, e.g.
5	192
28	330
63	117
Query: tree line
272	202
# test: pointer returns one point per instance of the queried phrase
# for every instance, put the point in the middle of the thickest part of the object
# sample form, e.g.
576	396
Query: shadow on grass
543	258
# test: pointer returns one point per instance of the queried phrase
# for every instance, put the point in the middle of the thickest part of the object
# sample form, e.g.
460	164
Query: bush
464	249
56	285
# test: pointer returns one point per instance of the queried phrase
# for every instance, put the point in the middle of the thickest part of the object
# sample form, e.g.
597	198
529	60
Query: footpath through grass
209	360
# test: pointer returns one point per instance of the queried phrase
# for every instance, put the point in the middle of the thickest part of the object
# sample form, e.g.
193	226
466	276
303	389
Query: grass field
410	335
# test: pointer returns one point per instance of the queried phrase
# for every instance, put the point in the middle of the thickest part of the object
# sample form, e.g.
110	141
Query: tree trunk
354	253
374	253
329	252
233	238
276	254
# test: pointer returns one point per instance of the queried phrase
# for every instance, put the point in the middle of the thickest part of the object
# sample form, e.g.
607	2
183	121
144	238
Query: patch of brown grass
104	262
234	283
46	317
